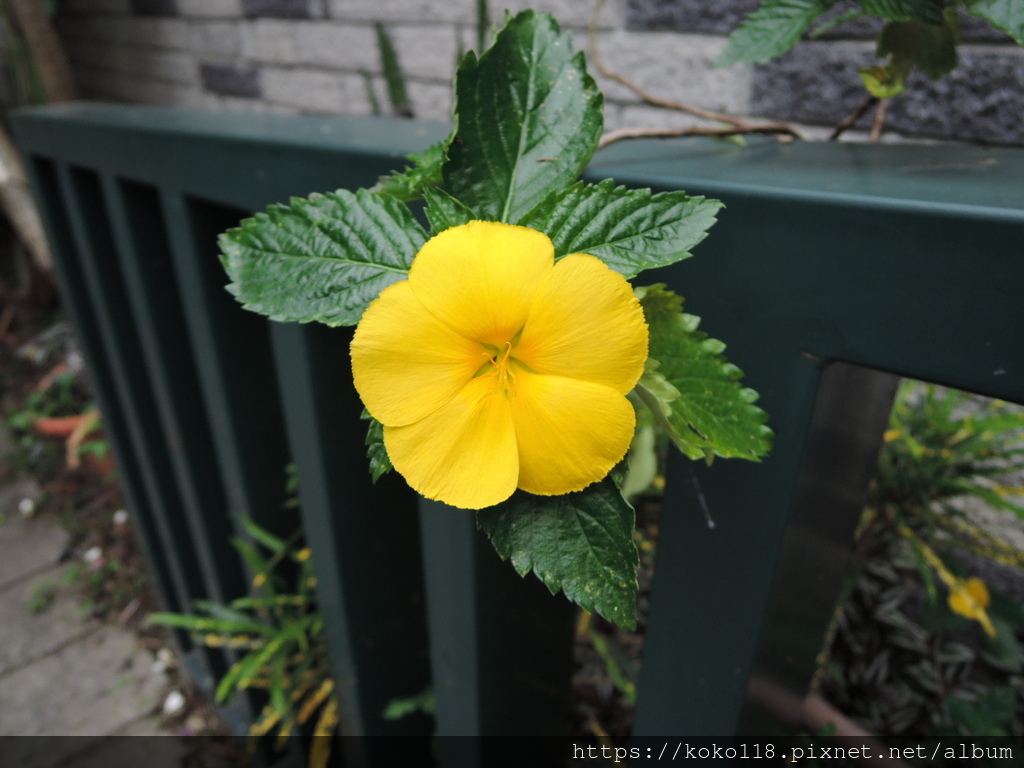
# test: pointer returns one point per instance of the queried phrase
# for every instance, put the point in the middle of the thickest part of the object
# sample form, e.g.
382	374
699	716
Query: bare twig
47	53
853	117
739	125
785	132
876	129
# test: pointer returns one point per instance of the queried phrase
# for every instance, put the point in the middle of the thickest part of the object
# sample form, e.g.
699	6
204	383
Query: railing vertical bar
164	567
500	648
141	240
364	537
234	364
131	383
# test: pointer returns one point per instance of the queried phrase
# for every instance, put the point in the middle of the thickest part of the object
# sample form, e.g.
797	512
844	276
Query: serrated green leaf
580	543
380	462
443	211
324	259
927	11
527	116
425	171
827	25
629	229
770	31
696	392
1007	15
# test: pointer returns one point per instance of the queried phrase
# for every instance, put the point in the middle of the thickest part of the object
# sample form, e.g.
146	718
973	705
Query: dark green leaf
932	49
927	11
827	25
444	211
1007	15
393	75
380	462
324	259
425	171
770	31
629	229
580	543
693	390
528	118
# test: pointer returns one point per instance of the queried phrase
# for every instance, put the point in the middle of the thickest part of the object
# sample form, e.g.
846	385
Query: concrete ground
63	673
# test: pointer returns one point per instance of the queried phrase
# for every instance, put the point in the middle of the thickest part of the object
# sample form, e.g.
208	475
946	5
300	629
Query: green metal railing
833	267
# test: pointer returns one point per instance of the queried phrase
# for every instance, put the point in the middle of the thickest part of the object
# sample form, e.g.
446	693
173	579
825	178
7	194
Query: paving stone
231	80
426	52
316	91
281	9
404	10
345	46
95	686
155	7
27	545
270	40
981	100
674	67
210	8
720	17
27	634
217	38
431	101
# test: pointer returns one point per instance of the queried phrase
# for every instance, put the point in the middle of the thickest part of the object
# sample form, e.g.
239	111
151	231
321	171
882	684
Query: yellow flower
494	368
970	599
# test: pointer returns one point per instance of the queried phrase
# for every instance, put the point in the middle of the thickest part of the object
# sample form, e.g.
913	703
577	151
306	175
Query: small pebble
174	703
121	517
27	506
92	555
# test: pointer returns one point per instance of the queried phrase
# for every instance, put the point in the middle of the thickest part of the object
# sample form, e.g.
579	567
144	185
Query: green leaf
827	25
629	229
770	31
527	117
425	171
1007	15
444	211
927	11
324	259
380	462
932	49
580	543
269	540
693	390
884	82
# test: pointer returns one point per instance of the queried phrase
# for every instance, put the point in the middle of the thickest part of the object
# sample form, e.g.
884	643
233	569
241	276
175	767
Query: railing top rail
965	180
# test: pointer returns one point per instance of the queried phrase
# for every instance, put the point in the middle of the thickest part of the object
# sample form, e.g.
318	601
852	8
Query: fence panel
833	268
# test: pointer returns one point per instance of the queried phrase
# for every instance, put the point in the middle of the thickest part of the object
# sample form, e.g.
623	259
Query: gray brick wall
817	82
321	56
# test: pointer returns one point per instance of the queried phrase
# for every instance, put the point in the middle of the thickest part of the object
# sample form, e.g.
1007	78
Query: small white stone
92	555
174	703
27	506
120	517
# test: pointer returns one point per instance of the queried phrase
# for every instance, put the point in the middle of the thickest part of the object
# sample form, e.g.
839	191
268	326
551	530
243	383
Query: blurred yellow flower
970	599
494	368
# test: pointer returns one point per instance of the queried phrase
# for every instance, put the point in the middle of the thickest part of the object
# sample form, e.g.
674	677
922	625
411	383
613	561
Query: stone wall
323	57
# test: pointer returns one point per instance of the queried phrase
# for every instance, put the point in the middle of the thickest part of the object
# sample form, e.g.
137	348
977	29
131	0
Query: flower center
502	365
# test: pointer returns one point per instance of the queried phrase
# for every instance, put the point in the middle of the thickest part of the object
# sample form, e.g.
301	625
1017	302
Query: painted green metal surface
903	259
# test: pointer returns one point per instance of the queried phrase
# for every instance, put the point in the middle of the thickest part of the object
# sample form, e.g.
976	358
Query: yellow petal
585	323
570	432
405	362
480	278
464	453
